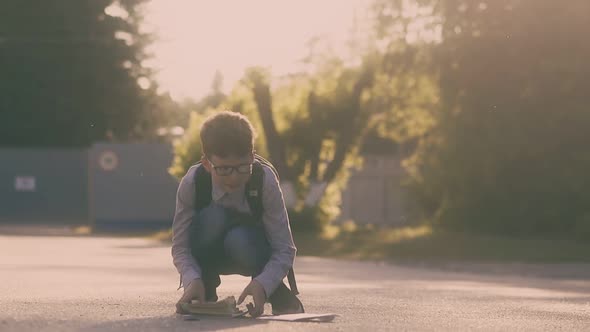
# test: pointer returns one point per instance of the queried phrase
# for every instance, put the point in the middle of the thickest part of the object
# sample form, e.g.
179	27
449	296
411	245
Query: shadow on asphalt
40	230
174	323
558	277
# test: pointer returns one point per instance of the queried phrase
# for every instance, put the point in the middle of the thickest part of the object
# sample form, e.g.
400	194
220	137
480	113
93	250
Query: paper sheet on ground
301	317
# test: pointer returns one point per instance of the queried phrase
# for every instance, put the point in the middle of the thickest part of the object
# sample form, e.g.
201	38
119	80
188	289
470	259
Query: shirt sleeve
278	232
187	266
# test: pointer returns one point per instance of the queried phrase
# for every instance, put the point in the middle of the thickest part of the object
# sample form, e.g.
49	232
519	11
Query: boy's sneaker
211	281
211	296
210	292
284	302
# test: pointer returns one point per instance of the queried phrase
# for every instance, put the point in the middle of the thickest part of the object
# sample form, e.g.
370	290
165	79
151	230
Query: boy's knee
247	247
210	225
213	214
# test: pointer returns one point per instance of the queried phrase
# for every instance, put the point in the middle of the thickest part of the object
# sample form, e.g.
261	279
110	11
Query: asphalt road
61	283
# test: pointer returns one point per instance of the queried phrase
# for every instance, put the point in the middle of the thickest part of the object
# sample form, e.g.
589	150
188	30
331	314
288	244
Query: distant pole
90	169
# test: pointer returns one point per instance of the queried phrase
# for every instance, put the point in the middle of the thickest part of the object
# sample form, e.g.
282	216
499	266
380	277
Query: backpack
253	192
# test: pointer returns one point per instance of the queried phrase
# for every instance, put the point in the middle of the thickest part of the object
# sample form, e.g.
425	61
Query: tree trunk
349	134
275	145
315	193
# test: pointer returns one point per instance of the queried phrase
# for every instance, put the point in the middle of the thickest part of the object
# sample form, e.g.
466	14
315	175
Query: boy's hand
194	291
256	290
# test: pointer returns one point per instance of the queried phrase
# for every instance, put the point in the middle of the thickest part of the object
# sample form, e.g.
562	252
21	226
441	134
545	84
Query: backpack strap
265	162
253	190
203	188
254	197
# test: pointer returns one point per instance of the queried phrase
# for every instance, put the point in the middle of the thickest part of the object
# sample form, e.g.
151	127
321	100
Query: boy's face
229	173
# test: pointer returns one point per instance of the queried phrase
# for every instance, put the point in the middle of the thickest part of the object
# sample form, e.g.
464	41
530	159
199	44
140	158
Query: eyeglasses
227	170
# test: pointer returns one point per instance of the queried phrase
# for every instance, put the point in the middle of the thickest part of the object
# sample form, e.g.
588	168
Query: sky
198	37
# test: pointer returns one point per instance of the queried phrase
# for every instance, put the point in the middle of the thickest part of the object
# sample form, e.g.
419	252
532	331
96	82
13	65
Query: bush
309	219
187	150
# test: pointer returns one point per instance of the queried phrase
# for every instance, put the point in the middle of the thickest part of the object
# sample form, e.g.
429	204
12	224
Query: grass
427	244
423	243
163	236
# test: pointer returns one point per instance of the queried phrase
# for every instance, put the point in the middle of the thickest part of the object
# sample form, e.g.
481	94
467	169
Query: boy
224	237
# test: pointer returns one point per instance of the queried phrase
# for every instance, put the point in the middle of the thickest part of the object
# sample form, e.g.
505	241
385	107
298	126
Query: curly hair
227	134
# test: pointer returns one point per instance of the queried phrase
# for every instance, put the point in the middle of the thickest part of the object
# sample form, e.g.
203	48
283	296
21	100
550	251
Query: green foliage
424	243
310	126
507	151
70	73
187	150
320	119
308	219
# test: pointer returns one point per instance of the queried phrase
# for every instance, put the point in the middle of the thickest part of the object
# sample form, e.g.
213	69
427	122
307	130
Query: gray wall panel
60	192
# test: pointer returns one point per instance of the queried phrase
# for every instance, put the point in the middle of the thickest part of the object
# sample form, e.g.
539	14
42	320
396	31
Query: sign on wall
108	160
25	183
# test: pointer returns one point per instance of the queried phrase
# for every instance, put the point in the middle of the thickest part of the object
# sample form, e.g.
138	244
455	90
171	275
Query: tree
311	126
312	123
507	152
325	130
72	73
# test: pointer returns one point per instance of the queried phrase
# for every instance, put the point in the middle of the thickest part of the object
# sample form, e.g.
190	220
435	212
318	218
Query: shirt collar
217	192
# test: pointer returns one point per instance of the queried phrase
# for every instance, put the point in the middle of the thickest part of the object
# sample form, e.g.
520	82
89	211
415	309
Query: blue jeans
224	241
